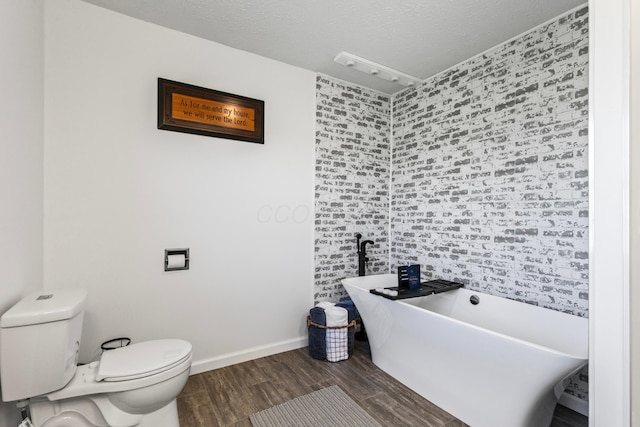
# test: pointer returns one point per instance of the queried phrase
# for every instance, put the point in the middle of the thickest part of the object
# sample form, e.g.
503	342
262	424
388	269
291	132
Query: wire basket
333	343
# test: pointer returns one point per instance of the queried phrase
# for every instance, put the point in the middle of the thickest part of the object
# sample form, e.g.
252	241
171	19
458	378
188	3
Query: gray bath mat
329	407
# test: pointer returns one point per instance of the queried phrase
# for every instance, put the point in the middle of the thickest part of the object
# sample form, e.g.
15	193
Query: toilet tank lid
142	359
44	307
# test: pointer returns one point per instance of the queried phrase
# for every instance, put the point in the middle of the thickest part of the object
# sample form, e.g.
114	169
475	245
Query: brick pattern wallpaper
490	179
352	182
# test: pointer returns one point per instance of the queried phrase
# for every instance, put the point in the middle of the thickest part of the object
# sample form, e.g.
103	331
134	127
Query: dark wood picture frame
192	109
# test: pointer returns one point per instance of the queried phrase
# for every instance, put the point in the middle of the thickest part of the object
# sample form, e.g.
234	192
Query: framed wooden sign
192	109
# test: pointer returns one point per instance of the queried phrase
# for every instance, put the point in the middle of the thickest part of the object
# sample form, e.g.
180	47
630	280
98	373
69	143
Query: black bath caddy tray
426	288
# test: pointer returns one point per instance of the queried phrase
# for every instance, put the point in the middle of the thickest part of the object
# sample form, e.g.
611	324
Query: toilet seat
141	360
85	382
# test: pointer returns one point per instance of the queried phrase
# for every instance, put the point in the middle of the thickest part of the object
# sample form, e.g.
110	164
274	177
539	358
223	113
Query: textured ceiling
417	37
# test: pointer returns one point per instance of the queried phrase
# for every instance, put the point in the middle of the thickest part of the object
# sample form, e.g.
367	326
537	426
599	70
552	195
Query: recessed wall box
176	259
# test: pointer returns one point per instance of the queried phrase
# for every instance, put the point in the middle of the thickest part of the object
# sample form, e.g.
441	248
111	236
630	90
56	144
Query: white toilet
134	385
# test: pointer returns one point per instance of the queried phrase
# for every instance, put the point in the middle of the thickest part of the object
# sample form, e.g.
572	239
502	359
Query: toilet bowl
125	387
136	385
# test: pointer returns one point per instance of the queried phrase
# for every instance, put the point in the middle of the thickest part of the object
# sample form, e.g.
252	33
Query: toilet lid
142	359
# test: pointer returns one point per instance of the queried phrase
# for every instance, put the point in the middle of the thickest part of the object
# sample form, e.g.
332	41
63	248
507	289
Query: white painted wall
609	325
119	191
21	138
634	194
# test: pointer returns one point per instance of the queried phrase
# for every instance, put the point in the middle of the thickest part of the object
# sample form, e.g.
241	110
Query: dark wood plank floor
227	396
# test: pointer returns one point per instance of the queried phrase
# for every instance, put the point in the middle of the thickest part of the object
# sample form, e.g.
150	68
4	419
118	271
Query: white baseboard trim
575	404
200	366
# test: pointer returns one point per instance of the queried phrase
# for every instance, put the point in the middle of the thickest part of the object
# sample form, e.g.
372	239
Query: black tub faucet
362	253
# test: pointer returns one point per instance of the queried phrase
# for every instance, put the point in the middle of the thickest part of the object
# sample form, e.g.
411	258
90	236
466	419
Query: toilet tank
39	342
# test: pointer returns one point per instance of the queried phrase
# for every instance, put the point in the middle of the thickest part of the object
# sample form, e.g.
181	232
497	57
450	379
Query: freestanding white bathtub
499	363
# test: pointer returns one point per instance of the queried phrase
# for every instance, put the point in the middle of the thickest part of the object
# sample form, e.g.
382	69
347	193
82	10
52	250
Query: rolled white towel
325	304
336	316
